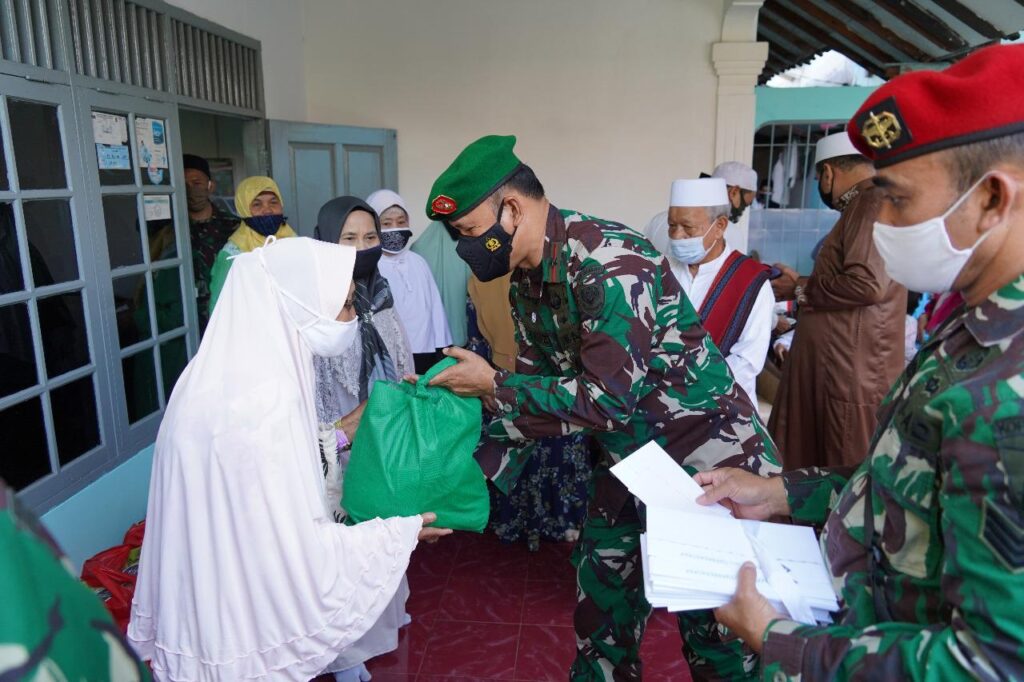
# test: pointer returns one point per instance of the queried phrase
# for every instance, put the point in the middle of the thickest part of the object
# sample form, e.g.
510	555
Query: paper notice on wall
109	129
156	207
113	157
151	141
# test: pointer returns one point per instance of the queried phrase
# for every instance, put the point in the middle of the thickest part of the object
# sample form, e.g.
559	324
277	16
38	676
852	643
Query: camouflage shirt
208	238
610	345
933	580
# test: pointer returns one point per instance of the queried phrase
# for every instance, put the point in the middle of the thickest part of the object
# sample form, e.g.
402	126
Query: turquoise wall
98	516
793	105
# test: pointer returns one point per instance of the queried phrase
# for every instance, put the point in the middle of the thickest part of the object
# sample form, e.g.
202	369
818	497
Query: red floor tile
407	658
551	562
485	560
663	620
549	603
425	593
434	560
545	653
661	652
487	600
480	651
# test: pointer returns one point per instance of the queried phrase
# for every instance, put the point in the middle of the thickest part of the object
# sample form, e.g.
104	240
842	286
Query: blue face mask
690	250
266	225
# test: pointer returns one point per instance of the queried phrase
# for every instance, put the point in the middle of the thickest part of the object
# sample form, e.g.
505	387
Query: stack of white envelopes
692	553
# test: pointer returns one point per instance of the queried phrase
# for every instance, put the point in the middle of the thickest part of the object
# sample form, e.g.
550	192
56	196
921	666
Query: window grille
213	68
30	33
119	41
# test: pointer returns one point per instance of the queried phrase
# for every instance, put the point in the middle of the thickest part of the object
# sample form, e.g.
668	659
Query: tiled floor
483	610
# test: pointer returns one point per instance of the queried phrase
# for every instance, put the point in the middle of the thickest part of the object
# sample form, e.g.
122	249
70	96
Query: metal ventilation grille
215	69
30	33
119	41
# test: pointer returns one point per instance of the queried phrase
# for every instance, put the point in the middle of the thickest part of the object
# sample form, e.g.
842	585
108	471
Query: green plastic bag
413	453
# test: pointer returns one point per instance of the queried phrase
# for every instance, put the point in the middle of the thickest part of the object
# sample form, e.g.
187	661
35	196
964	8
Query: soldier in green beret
608	346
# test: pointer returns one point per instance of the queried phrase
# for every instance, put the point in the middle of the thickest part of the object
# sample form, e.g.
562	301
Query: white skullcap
737	174
383	199
831	146
704	192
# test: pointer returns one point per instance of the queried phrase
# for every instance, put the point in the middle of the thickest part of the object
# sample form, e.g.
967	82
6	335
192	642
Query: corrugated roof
884	34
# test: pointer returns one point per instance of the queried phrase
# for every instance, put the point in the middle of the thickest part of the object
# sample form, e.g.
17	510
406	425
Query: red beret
978	98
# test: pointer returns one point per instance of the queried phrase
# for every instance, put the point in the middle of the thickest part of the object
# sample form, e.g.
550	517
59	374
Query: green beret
475	174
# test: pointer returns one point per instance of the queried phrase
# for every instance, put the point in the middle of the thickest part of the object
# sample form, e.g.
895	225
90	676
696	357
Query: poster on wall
110	134
156	207
151	140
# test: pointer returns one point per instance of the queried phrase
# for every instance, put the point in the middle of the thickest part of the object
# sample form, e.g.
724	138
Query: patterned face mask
395	240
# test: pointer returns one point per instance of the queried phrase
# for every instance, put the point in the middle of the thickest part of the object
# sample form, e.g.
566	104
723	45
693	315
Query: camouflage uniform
52	627
609	344
208	238
933	578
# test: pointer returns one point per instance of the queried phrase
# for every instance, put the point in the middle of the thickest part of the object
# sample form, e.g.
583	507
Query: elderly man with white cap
730	291
848	348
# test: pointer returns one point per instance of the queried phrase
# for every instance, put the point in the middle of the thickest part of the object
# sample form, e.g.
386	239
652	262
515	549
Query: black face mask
366	262
826	197
488	255
395	241
266	225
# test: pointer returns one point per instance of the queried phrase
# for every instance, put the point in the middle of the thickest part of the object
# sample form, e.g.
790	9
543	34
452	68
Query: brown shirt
848	348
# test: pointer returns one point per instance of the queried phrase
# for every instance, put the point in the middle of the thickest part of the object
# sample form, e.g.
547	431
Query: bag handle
435	370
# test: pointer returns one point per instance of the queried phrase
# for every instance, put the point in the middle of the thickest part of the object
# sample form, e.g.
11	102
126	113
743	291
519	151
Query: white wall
610	100
278	25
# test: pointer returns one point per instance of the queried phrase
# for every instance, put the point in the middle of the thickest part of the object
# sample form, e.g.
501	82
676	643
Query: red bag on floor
112	573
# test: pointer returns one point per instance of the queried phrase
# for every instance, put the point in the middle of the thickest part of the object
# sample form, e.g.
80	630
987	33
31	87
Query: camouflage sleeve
981	575
812	492
615	345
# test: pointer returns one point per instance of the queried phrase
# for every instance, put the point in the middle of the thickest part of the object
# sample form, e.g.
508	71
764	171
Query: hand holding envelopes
692	553
413	453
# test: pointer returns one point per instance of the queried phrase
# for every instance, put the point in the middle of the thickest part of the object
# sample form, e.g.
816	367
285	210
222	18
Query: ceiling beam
789	37
970	19
926	23
816	36
830	22
875	27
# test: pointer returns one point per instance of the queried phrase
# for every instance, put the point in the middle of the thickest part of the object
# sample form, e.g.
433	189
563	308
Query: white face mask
921	257
690	250
325	337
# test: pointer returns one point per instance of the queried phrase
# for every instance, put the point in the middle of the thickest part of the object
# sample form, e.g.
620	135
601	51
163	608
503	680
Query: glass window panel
163	243
51	241
10	254
38	152
173	358
140	385
5	183
167	296
151	143
131	305
65	343
17	356
121	215
25	457
75	421
113	152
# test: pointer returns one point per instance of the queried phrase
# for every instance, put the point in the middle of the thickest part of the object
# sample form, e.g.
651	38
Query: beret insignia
443	205
882	126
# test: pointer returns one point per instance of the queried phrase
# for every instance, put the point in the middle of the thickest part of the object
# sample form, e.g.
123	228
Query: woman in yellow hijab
258	204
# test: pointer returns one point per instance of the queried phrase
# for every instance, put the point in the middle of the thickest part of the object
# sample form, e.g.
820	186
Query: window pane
140	385
173	358
65	344
75	423
24	457
38	152
163	244
151	143
51	241
131	304
167	296
10	256
113	153
5	183
121	214
17	357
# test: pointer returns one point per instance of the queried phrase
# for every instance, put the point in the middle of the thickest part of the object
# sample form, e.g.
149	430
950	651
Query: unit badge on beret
443	205
492	244
882	126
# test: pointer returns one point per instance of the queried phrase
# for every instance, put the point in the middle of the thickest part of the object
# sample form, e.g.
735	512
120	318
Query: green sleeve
813	492
218	274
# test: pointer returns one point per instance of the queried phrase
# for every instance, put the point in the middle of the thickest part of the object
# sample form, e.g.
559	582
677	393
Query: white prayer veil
244	576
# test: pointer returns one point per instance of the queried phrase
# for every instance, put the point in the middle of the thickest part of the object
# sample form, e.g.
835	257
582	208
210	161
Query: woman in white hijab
244	574
417	300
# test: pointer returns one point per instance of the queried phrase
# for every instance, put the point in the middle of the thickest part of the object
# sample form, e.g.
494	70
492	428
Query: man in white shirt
730	291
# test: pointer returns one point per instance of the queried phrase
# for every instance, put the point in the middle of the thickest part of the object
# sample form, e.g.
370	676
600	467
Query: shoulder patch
1003	535
590	290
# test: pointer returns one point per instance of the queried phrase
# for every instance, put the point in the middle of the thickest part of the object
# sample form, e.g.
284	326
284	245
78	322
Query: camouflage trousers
612	611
